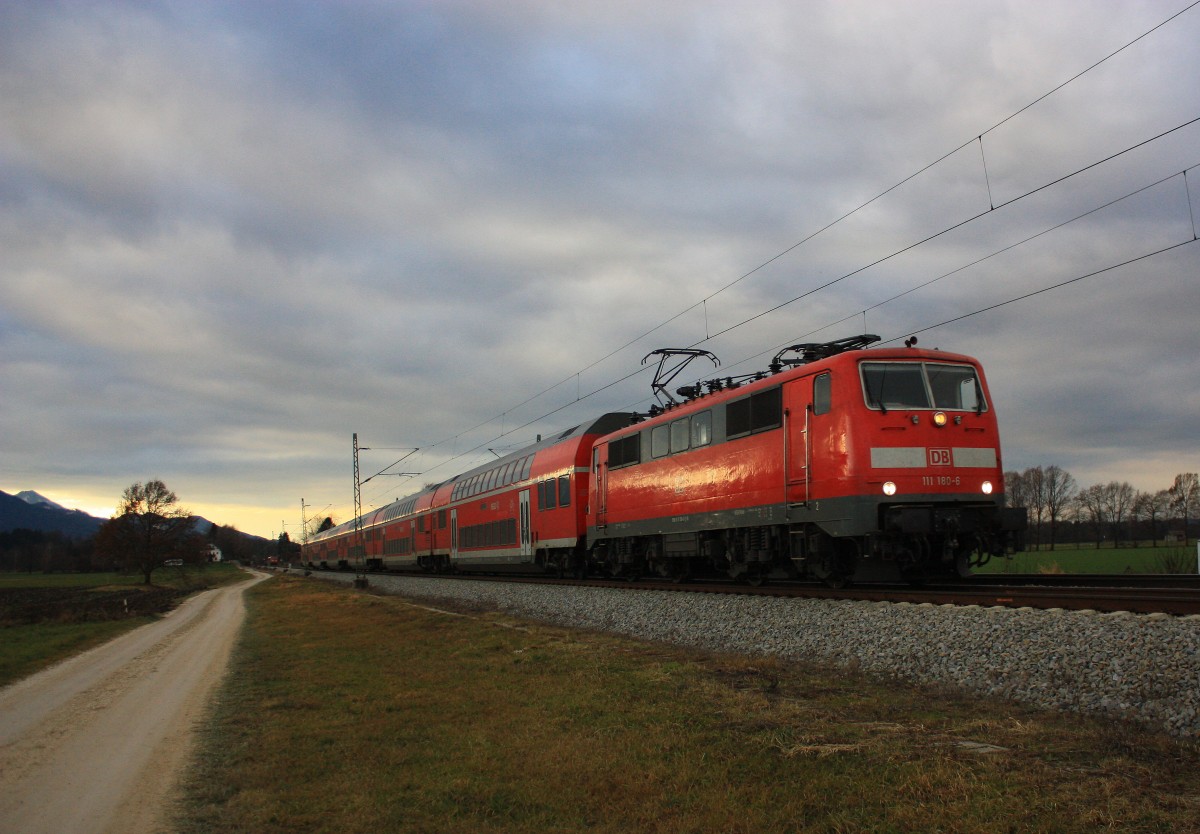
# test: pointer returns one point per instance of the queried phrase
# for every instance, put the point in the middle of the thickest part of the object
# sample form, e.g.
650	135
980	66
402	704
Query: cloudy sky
232	234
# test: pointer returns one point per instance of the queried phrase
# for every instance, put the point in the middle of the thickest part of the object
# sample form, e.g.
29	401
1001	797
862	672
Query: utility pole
303	524
360	579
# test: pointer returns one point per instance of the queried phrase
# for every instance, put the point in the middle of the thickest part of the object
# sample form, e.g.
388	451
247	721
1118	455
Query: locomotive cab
901	468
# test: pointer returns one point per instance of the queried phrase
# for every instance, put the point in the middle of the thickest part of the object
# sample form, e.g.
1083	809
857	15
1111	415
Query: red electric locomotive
841	463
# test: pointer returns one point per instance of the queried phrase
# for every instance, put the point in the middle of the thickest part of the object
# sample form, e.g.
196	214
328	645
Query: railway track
1177	595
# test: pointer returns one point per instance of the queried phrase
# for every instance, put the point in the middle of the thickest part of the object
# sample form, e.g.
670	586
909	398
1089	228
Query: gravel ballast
1140	667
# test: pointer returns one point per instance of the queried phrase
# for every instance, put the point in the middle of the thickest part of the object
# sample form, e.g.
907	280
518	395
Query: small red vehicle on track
839	462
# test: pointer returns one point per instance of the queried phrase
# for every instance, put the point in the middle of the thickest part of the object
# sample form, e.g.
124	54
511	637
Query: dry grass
347	712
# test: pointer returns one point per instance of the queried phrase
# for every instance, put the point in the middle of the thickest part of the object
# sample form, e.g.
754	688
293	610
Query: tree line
1061	512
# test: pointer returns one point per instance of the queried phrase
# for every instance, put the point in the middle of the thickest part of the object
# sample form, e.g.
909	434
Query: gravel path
1142	667
96	743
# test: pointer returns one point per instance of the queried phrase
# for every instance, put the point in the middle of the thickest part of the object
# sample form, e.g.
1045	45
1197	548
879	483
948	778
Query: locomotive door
803	402
526	537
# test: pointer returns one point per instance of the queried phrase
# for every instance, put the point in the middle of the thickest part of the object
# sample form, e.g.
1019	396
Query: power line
1027	295
703	302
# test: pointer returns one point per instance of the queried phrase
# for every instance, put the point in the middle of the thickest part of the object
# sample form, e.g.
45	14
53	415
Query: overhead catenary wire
703	303
833	223
581	397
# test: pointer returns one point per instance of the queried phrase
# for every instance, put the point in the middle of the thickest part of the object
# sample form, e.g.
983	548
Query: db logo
939	457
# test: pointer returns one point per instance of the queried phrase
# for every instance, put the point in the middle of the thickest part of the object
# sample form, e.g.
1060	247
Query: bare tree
1150	507
1058	489
148	529
1118	504
1089	507
1034	482
1014	489
1185	495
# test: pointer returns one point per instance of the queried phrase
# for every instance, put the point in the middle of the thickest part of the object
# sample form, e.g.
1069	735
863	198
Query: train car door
526	536
453	534
601	475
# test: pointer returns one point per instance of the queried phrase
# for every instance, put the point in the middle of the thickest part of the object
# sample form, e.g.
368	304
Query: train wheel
680	571
832	567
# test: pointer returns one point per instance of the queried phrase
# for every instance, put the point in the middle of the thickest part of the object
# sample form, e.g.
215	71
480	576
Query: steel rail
1178	601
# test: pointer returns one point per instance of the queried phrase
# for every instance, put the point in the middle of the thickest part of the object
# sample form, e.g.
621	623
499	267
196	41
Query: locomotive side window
680	435
759	412
701	429
626	451
660	441
822	394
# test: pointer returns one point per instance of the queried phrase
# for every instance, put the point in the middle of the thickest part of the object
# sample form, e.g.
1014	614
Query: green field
349	712
1088	559
45	618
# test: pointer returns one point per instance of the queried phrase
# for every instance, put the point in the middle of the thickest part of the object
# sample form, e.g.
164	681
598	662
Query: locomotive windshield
889	385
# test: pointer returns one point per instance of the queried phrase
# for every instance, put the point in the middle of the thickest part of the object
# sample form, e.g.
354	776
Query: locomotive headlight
889	488
987	487
939	418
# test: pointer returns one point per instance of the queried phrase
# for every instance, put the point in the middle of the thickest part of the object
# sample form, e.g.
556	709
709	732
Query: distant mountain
27	510
31	511
31	497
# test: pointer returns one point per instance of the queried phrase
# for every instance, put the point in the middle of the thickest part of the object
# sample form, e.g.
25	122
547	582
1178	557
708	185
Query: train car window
701	429
526	466
550	494
894	385
954	387
660	441
681	435
822	394
441	519
421	524
564	490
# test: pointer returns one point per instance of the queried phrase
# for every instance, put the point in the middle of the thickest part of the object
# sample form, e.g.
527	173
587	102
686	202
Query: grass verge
348	712
1089	559
45	618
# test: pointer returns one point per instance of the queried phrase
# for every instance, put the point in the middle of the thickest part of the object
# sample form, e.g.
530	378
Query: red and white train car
524	511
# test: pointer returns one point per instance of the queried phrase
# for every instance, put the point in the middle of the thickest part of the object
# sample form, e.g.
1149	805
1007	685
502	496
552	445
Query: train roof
782	368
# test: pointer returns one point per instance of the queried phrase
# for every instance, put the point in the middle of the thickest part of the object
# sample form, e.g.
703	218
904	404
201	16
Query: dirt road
96	744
